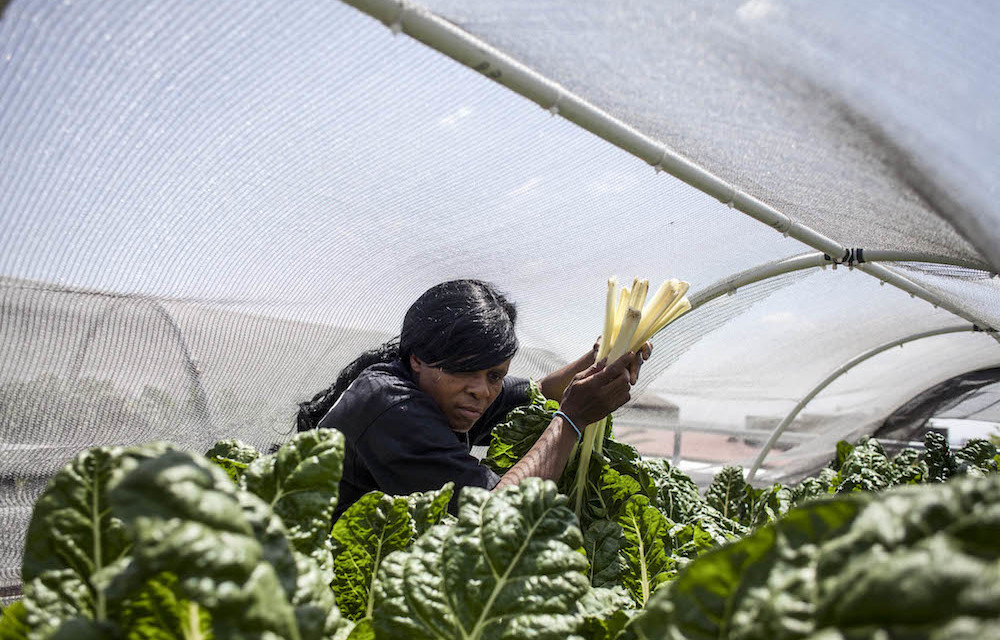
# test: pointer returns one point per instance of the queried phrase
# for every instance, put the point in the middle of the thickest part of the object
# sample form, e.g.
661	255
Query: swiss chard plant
151	542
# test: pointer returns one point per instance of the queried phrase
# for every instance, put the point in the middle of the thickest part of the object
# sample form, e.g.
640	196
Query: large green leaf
508	568
370	529
601	543
728	493
920	563
74	534
187	518
300	483
646	547
233	456
757	587
916	558
157	613
429	508
513	438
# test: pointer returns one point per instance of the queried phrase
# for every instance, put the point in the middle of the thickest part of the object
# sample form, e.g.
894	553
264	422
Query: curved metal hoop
201	409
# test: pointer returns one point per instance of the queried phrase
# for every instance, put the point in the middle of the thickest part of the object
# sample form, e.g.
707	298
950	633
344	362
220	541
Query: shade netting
209	209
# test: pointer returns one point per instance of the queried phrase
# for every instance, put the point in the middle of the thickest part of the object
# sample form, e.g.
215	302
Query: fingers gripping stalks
630	322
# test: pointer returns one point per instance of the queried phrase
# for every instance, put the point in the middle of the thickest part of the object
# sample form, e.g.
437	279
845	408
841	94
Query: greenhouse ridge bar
450	40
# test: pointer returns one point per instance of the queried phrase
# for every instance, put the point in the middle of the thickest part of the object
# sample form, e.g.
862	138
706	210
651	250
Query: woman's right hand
596	392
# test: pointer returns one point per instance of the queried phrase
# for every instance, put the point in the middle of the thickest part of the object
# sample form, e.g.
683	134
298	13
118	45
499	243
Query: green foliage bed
155	543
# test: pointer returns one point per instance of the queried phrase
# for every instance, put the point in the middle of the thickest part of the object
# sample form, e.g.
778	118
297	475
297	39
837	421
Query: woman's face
462	397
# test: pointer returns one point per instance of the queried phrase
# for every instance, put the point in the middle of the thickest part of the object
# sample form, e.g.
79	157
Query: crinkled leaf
917	556
601	543
754	588
809	489
608	492
187	518
605	613
300	483
767	504
691	540
508	568
233	456
316	611
646	547
370	529
53	598
676	493
429	508
909	468
514	437
940	461
867	468
73	529
977	456
157	613
728	493
622	457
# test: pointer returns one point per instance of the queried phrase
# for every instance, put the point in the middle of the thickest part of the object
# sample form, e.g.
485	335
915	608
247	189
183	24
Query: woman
411	410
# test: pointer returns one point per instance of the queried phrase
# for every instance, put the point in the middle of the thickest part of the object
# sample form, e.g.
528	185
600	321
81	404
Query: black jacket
398	441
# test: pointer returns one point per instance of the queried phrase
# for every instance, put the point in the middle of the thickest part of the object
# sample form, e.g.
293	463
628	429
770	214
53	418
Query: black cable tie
859	253
827	257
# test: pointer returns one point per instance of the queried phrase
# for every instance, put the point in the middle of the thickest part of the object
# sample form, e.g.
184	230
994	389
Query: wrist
570	426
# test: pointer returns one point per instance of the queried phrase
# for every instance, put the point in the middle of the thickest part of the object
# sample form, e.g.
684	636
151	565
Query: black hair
460	325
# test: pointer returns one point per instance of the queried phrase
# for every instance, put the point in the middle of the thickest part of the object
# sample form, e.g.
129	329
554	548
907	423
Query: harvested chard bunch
630	321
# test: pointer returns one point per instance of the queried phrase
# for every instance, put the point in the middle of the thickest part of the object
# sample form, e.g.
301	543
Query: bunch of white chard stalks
630	321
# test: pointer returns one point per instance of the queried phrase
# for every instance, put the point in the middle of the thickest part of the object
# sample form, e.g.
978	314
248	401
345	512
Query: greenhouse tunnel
210	208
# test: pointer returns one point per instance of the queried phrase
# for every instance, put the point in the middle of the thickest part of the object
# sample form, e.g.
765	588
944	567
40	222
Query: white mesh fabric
869	123
210	208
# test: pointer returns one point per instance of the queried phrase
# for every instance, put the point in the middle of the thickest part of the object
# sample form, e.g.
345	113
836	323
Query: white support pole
756	274
449	39
839	371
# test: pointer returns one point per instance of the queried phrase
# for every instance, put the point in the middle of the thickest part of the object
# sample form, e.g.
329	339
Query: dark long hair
460	325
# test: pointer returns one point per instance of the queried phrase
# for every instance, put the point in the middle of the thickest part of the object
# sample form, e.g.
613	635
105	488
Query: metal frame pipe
839	371
451	40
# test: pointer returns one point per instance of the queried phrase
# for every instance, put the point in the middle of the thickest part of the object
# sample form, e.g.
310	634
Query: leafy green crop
507	568
233	456
156	543
513	438
13	622
916	561
370	529
300	483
